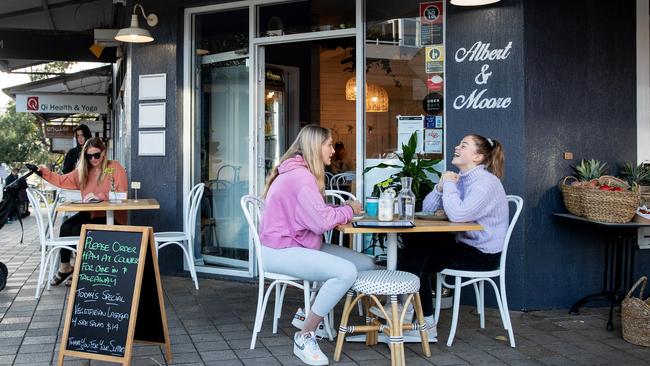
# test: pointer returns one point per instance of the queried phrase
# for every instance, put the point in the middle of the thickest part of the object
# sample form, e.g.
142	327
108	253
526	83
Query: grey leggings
333	265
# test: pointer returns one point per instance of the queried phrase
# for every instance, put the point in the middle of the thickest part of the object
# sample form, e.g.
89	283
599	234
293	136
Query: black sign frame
146	282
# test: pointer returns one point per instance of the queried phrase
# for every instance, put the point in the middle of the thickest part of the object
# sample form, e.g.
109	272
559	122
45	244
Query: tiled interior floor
212	326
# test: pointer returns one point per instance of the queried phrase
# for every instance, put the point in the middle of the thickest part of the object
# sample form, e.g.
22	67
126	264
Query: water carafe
406	200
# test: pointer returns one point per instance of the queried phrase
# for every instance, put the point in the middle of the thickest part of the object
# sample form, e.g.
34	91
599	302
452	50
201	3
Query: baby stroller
8	208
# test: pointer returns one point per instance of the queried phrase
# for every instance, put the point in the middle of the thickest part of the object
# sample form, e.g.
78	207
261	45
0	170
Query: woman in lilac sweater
294	220
473	194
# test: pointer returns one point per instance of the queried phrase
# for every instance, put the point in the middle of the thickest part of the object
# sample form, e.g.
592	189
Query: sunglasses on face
93	156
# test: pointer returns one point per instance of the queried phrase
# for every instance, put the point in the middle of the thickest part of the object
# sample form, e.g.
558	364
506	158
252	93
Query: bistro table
111	207
421	226
620	244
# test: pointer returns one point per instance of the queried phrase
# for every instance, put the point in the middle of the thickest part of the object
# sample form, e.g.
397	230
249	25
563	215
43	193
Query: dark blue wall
571	77
580	83
161	177
497	25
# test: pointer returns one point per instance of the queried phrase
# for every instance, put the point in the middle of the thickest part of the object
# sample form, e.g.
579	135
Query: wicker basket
572	195
635	316
610	206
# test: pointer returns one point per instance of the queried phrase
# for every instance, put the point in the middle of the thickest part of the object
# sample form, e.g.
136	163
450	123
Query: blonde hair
309	145
493	154
83	165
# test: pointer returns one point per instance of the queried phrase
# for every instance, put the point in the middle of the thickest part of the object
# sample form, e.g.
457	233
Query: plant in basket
640	175
613	201
573	186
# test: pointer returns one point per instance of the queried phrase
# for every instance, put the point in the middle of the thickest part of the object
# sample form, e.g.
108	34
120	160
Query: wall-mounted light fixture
135	34
473	2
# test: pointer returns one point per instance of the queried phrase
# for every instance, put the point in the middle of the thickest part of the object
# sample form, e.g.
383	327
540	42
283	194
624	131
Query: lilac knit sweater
478	196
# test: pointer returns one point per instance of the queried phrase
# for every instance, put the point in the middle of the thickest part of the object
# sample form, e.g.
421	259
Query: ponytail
493	154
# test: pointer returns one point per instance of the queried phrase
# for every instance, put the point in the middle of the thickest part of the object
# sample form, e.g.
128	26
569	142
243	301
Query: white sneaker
414	335
408	317
299	322
305	347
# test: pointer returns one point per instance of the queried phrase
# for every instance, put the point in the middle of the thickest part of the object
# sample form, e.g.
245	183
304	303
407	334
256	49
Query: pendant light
376	96
376	99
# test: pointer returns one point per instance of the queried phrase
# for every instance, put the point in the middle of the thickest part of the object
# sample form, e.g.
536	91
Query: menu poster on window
406	126
431	22
434	59
433	141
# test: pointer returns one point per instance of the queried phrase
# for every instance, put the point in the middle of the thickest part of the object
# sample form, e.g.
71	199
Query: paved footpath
212	326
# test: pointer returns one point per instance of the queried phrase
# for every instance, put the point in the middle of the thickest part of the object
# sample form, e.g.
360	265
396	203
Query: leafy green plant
589	169
414	166
639	174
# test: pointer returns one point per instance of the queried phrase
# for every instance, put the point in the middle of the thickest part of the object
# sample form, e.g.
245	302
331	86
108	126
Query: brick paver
212	326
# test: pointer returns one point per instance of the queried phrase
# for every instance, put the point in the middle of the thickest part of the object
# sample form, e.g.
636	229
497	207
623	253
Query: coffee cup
372	206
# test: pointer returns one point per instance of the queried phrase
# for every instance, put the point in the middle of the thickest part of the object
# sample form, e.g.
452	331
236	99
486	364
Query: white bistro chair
50	245
253	208
338	197
185	238
341	179
328	180
477	279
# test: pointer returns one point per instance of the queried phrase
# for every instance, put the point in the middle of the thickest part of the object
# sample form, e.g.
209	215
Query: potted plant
413	165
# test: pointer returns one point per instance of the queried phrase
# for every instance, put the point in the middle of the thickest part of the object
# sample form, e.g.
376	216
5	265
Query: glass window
305	16
221	136
404	83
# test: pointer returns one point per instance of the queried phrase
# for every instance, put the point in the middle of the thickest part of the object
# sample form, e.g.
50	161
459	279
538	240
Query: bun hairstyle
307	144
493	155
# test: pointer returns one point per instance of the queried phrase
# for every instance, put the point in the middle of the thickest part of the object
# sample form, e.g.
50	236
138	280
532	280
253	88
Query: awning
70	94
38	31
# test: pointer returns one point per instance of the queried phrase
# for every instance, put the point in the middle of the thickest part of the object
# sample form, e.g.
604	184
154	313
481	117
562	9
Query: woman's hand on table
355	206
91	197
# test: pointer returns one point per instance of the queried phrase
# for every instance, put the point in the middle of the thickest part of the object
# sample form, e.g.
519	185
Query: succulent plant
589	169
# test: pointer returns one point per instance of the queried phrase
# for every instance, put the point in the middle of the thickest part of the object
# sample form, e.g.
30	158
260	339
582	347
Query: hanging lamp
376	99
376	96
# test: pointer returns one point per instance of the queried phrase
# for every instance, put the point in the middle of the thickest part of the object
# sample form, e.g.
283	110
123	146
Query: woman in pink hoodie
294	220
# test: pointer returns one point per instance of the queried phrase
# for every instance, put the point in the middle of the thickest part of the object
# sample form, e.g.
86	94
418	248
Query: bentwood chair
50	244
328	180
185	239
477	279
253	208
338	197
341	179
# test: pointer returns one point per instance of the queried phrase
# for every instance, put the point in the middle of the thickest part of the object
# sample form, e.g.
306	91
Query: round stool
368	285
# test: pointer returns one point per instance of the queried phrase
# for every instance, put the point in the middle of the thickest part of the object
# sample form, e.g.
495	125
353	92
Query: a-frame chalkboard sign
116	296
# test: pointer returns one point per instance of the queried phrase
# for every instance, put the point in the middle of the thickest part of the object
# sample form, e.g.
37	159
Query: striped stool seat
386	282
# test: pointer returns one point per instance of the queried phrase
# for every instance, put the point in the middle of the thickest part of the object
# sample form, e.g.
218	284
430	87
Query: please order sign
116	295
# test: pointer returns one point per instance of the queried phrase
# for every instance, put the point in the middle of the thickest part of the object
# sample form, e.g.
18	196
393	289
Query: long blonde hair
83	165
309	145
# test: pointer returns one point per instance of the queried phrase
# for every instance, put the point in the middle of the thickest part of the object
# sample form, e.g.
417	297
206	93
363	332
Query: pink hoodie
295	212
